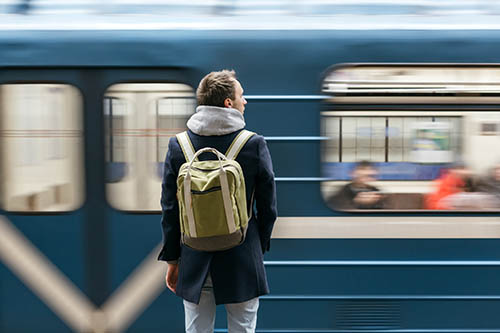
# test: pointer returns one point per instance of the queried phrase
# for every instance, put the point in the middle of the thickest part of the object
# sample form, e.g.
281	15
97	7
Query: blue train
85	118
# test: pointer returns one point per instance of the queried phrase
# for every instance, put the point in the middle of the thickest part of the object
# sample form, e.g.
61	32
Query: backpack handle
219	155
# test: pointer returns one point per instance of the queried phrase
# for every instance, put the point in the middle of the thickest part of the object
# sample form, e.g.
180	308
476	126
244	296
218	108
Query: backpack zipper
212	189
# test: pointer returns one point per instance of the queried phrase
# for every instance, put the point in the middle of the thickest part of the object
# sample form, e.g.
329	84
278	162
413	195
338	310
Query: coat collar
213	120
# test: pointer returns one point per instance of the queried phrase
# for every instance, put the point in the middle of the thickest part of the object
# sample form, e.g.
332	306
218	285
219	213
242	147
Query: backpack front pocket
209	213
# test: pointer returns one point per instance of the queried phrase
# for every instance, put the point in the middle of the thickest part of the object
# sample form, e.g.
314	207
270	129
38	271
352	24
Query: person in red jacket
456	180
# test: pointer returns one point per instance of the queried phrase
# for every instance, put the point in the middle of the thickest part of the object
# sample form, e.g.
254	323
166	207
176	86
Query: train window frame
330	99
79	179
109	152
151	104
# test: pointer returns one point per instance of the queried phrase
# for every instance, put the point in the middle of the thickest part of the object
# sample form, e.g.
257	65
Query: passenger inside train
455	189
460	189
359	193
491	184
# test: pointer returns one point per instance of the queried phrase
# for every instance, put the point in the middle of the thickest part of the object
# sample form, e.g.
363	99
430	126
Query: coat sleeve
170	208
265	196
343	199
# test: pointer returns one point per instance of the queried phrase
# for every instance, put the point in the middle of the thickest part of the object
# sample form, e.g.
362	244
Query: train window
41	147
411	138
140	119
387	140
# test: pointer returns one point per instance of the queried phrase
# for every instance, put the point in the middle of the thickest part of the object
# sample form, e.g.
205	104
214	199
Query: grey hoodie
214	120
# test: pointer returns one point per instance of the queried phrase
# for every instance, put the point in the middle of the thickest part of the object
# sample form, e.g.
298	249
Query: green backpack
212	198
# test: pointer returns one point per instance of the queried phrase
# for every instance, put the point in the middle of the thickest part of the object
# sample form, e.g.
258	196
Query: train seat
405	201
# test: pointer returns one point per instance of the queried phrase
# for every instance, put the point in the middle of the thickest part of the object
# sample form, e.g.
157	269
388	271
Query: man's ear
228	103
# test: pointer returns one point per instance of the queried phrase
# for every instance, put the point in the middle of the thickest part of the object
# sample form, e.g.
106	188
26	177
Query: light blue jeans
200	318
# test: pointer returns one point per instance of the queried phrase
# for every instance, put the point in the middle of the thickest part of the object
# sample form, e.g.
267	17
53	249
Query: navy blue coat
238	274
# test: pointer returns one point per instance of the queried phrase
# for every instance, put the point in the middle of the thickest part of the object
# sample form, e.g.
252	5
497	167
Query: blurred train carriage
86	116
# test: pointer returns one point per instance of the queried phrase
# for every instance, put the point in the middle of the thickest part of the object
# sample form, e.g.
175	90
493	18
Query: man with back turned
234	277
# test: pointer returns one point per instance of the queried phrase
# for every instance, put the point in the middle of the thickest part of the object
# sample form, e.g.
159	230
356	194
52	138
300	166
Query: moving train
86	113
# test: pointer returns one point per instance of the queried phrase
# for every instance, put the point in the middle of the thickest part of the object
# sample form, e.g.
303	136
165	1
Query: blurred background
247	7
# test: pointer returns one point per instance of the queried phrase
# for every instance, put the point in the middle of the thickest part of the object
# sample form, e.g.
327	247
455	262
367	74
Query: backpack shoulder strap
186	145
238	143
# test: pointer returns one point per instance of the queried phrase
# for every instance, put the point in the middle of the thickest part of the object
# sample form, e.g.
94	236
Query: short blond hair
215	87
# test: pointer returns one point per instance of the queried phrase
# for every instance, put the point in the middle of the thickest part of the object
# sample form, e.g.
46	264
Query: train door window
41	147
171	116
411	138
140	119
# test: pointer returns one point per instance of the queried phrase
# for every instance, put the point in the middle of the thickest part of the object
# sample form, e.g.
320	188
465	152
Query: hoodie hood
214	120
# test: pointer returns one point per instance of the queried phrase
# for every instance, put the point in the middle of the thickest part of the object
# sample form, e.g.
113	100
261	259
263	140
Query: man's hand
367	198
171	277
